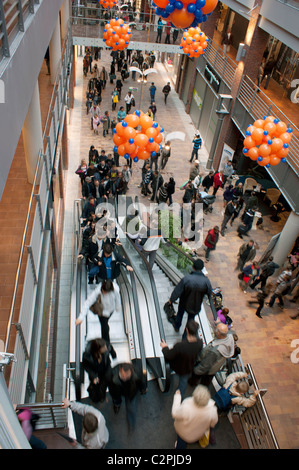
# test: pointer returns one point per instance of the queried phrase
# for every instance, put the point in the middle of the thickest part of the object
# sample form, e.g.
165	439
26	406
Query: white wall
19	74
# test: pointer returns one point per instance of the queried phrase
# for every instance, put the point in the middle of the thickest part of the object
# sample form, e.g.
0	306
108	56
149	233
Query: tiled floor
265	343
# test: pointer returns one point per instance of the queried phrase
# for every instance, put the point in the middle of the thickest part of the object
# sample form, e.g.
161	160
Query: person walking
152	91
96	363
213	356
166	90
246	253
261	296
170	189
95	434
165	154
193	417
207	182
282	288
190	291
266	270
125	383
217	182
228	213
211	241
114	98
130	101
197	143
182	356
151	242
167	30
159	30
153	107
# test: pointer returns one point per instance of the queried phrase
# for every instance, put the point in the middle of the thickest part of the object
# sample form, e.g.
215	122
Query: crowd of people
102	180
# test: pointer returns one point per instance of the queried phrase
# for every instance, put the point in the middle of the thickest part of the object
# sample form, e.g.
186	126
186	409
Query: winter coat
182	356
191	291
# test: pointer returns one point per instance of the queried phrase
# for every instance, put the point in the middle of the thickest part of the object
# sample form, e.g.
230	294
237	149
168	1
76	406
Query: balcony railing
13	17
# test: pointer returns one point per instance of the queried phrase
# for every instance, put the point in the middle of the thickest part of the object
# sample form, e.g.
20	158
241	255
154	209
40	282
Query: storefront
171	63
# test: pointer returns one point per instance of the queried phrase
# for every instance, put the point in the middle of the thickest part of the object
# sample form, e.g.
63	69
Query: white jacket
97	439
191	421
111	302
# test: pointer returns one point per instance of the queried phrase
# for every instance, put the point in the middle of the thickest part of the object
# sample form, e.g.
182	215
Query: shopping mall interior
47	129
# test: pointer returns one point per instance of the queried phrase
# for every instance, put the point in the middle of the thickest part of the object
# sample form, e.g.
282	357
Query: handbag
169	310
205	439
133	102
97	308
112	76
115	99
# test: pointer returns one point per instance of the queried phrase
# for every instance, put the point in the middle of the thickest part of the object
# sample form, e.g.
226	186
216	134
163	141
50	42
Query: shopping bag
205	439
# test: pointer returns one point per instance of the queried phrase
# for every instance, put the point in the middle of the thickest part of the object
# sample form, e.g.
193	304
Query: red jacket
213	237
217	180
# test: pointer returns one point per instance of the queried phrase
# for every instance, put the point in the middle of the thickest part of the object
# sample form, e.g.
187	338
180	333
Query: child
113	123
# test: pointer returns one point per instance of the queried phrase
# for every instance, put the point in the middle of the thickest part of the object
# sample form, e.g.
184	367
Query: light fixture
241	52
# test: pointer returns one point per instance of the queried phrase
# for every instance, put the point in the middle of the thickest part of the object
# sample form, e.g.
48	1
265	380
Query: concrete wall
19	74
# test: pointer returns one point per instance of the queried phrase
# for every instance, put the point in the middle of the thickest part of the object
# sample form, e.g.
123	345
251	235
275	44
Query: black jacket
182	356
191	291
118	388
116	263
269	268
93	368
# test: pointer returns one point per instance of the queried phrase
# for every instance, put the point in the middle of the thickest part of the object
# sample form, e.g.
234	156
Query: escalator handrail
78	233
136	307
181	252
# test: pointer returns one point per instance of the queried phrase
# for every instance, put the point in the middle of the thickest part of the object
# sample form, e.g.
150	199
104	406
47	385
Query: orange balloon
281	128
132	120
161	3
151	132
120	129
253	153
152	147
121	150
265	161
159	138
146	121
250	128
143	154
269	119
282	153
274	160
286	137
257	135
270	127
209	6
141	140
249	142
117	139
181	18
130	148
264	150
259	123
276	145
129	133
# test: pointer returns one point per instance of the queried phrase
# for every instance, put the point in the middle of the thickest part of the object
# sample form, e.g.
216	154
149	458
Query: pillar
64	18
55	51
33	134
287	238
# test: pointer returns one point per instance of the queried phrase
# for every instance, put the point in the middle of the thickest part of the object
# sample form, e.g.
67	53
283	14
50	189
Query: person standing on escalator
190	291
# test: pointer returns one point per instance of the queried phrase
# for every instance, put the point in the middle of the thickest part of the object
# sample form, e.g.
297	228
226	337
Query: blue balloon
179	5
198	14
138	113
124	123
265	132
269	142
200	4
204	18
191	8
170	8
289	129
162	130
114	131
164	14
158	11
245	150
153	154
172	2
115	148
151	140
126	155
285	146
268	165
283	159
155	124
247	133
276	121
131	141
135	159
260	159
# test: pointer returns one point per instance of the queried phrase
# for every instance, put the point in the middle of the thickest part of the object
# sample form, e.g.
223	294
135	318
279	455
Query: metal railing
13	17
34	228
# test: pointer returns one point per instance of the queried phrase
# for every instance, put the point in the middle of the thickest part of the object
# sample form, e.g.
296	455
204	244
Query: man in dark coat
191	291
183	355
109	263
266	271
125	383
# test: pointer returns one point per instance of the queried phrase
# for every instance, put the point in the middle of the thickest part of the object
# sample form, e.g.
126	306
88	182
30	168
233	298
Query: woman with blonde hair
194	416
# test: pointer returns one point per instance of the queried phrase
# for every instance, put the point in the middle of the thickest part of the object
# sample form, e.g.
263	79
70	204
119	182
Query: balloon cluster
185	13
194	42
267	141
117	34
108	3
137	144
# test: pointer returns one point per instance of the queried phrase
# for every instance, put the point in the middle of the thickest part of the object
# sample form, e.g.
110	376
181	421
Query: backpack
223	398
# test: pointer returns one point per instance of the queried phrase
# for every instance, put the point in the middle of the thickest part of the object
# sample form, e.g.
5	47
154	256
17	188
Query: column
55	51
33	134
286	239
64	18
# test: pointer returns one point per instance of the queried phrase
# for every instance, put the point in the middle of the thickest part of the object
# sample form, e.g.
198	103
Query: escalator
125	328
